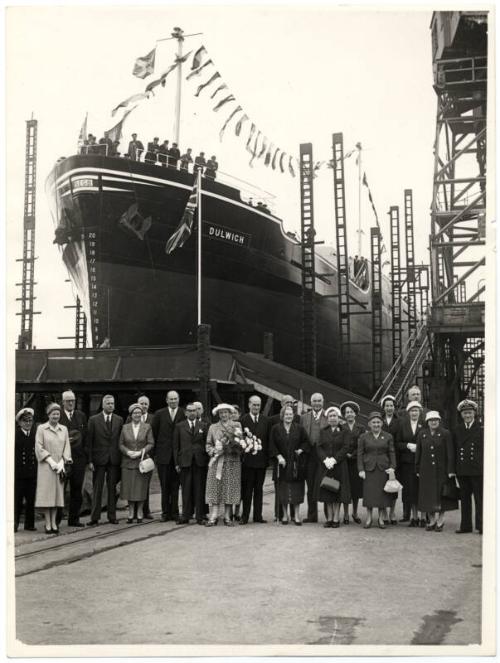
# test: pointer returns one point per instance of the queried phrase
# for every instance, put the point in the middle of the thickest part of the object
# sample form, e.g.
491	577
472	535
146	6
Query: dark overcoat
77	429
469	449
286	445
434	460
333	443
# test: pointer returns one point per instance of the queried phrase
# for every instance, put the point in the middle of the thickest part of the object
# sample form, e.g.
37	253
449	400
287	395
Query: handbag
450	490
330	483
146	465
392	486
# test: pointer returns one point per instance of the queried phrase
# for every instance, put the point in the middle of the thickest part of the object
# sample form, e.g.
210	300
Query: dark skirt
409	480
355	481
374	494
134	485
339	472
291	492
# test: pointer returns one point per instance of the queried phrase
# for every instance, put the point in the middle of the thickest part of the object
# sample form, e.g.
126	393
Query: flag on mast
115	133
183	232
82	136
145	65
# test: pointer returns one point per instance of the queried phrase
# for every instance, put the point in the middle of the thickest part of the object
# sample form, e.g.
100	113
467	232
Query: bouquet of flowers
227	444
250	443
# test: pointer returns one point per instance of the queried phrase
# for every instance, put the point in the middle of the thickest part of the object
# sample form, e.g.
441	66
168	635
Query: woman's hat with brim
223	406
432	414
354	406
467	405
134	406
333	408
52	406
23	412
387	397
375	415
413	404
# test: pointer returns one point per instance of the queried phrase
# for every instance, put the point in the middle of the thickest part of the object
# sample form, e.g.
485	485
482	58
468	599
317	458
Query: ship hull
113	219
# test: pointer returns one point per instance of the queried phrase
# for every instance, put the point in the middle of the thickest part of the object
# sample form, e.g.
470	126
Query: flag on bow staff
145	65
185	226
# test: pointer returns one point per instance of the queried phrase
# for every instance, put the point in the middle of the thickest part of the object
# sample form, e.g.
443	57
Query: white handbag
146	465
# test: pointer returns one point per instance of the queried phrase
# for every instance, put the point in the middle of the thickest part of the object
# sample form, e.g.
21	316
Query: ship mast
359	231
177	34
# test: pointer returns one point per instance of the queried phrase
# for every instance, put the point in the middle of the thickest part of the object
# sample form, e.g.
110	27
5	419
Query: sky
300	73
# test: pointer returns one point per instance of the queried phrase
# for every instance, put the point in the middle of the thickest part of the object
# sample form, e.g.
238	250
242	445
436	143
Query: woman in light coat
52	450
136	441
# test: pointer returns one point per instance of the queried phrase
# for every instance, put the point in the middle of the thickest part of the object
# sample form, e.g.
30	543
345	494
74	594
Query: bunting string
228	120
223	86
207	83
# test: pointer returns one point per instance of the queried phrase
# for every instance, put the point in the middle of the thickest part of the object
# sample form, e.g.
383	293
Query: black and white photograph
250	285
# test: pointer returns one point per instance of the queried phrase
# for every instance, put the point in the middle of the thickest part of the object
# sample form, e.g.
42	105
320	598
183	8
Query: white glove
52	463
60	466
281	460
412	447
362	474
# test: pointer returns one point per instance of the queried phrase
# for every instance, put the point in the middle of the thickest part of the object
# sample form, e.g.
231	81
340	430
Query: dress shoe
260	520
405	519
77	523
285	522
422	523
228	523
381	524
31	529
211	523
310	520
92	523
139	520
237	518
298	523
201	522
182	521
346	521
48	530
357	520
394	521
463	531
113	521
55	530
430	528
130	521
328	523
336	524
149	516
439	528
243	521
164	519
413	523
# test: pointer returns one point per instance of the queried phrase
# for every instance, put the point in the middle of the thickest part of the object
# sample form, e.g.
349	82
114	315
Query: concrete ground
159	583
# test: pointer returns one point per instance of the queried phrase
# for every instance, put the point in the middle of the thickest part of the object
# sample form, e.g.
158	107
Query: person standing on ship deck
135	148
212	167
163	153
173	156
186	159
199	163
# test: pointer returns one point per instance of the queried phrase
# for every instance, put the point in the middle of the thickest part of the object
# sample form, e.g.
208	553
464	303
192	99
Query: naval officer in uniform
469	439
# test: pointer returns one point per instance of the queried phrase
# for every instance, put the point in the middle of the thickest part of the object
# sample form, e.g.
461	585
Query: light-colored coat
54	443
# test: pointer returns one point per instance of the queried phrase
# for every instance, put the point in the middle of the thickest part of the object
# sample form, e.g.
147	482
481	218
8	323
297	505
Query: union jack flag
183	232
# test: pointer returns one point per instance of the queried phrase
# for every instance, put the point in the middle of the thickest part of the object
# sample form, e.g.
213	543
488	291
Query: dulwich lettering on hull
214	231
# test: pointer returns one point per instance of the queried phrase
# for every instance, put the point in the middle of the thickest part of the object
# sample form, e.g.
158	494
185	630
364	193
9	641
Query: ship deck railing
249	193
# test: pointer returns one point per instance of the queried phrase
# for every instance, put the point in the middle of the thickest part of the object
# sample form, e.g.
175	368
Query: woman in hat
224	469
135	443
52	449
435	466
390	423
376	457
406	446
290	445
25	469
332	449
349	411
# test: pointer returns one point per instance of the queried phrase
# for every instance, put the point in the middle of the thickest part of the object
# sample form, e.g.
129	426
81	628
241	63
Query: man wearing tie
254	467
76	423
164	423
147	418
191	460
104	458
469	440
313	421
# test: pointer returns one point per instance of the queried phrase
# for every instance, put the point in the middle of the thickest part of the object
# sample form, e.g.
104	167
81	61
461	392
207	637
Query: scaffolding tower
397	332
308	260
458	210
342	256
377	330
27	299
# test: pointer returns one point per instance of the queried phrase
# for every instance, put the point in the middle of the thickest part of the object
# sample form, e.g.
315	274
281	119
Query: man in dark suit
313	421
200	414
191	461
147	418
469	441
26	467
76	423
253	471
164	423
104	457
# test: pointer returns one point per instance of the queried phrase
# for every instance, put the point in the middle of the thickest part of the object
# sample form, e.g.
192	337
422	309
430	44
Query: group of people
162	154
220	467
